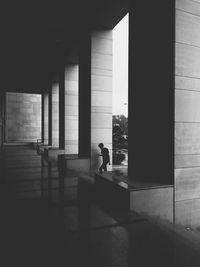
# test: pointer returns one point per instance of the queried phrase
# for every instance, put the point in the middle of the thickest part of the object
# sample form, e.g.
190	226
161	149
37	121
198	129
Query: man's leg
105	166
101	168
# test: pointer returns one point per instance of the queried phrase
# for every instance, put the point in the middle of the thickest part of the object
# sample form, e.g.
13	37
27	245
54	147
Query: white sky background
120	67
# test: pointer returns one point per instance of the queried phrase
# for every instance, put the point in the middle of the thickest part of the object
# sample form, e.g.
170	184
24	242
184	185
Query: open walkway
51	220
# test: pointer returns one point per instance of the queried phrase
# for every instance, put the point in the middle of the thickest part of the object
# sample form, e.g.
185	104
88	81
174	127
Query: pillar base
51	153
73	162
115	194
41	148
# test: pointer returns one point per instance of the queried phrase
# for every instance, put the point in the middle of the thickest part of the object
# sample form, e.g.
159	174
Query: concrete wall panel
101	99
187	106
101	94
188	6
46	118
102	34
102	61
100	109
187	83
101	72
187	30
100	120
23	117
102	83
187	116
187	161
55	115
187	138
187	183
148	202
71	108
187	60
188	212
102	45
71	135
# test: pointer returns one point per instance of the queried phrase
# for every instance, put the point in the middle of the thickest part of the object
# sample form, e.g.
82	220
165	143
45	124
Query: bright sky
120	67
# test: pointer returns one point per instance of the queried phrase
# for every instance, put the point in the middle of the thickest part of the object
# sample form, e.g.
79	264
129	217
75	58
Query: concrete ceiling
34	34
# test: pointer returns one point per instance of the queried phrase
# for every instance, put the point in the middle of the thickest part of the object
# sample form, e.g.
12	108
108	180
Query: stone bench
52	152
112	193
151	200
73	162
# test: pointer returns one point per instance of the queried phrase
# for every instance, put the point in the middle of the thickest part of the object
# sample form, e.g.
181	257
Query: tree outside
120	138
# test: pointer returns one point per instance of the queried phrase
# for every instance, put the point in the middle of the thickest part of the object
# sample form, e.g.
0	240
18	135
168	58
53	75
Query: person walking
105	156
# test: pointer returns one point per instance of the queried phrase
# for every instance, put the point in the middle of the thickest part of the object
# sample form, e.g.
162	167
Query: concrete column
71	109
85	96
62	108
151	91
187	113
95	95
23	117
55	115
45	117
42	117
101	93
50	117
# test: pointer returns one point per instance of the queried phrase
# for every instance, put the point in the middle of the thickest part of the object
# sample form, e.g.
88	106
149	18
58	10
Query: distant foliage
118	156
120	131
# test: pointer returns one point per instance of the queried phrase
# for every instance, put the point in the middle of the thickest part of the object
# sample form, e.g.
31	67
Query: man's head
101	145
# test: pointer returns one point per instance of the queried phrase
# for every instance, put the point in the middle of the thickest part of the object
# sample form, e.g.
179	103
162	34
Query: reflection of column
151	91
42	177
49	180
55	115
101	93
71	109
2	98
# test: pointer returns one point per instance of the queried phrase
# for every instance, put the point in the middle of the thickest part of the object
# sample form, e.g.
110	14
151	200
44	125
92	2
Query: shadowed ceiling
34	35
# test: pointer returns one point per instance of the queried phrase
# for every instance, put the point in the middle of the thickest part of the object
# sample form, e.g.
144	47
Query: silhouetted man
106	157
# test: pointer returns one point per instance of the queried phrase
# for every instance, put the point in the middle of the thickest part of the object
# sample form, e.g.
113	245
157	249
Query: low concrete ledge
41	148
52	152
38	143
154	201
34	145
150	200
111	193
73	162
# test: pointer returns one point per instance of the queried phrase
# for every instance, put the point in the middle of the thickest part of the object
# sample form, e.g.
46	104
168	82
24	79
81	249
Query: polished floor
51	219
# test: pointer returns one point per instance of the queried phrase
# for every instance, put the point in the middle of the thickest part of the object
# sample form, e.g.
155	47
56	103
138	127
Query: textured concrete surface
23	117
52	220
71	109
187	113
46	118
101	90
55	115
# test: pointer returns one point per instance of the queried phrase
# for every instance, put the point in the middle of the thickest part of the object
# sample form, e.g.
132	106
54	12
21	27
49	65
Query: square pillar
61	108
85	96
50	116
55	115
187	113
45	110
95	95
71	108
151	91
101	94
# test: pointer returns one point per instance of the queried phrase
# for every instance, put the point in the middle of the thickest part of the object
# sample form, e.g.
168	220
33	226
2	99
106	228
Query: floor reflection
51	218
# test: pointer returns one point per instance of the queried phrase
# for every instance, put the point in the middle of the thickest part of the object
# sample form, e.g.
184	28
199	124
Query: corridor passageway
52	220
